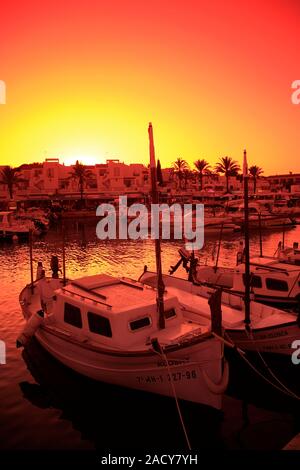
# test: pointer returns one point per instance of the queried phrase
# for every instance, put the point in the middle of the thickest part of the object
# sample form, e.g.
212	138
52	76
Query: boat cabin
113	311
270	277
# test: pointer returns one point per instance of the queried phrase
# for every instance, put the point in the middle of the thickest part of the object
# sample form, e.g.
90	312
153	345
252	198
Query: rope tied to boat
157	348
281	387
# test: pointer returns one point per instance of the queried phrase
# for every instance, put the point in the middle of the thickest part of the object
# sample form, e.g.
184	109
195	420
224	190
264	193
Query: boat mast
260	236
155	200
31	261
247	243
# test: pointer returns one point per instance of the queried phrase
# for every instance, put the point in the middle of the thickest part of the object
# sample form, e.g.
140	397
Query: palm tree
187	175
202	167
10	177
179	166
81	174
228	167
255	171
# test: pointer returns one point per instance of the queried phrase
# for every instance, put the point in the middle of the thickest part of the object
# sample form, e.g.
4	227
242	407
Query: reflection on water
45	406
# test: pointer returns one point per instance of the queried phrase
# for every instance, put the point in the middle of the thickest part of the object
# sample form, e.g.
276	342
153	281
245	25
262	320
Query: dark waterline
43	405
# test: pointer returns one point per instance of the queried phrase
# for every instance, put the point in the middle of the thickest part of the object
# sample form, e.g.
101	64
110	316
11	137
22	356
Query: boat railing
273	268
86	297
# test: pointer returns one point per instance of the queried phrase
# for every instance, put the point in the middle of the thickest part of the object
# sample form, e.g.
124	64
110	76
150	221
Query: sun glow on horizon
84	159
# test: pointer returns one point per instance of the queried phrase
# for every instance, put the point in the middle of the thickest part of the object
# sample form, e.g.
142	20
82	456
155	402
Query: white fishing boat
125	333
107	329
282	206
11	227
249	325
214	223
272	282
38	216
259	216
289	254
271	330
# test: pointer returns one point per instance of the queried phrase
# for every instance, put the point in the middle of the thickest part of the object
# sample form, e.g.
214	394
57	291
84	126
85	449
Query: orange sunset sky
84	78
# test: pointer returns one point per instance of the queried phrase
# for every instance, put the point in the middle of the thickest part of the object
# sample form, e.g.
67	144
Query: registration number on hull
174	376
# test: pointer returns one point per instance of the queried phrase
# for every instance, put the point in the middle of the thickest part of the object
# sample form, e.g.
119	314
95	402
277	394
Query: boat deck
118	294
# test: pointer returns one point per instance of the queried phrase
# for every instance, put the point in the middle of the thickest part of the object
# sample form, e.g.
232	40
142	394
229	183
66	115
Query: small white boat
258	216
36	215
215	223
11	227
272	282
289	254
107	329
271	330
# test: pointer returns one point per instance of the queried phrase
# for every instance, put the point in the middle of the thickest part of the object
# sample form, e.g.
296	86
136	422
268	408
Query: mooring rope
163	355
283	389
290	392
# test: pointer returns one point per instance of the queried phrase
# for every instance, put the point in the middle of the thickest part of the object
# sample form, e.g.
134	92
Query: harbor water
44	405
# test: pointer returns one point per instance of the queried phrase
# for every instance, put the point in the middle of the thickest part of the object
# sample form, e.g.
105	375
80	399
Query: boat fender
30	328
220	387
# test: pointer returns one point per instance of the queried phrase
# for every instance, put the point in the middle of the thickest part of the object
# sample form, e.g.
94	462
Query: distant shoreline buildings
52	181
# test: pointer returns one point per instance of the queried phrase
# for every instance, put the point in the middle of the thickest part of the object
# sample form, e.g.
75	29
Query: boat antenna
260	235
31	261
247	243
219	247
64	253
155	200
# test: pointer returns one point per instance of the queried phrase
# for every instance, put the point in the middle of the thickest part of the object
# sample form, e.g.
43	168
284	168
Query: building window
140	323
72	315
277	284
99	325
92	184
127	182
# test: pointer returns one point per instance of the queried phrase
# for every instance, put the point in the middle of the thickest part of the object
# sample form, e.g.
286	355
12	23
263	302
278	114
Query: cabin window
277	284
255	281
99	325
140	323
72	315
170	313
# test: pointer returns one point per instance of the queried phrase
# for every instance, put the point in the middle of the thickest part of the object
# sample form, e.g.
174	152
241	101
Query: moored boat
106	328
272	282
125	333
11	227
271	330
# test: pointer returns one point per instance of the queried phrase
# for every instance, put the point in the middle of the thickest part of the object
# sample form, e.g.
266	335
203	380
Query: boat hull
192	366
187	369
275	339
